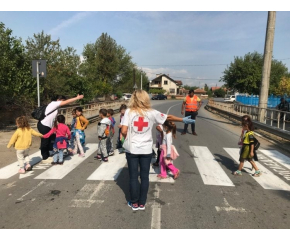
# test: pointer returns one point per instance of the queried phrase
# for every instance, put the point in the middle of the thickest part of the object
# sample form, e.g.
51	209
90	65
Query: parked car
230	98
126	96
159	97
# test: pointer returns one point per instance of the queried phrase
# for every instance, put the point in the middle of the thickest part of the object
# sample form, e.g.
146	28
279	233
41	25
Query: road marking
229	208
10	185
156	210
267	180
172	107
278	157
110	170
27	174
210	170
59	172
85	197
38	185
12	169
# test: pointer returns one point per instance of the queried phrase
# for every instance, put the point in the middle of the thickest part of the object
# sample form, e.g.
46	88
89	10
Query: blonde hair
140	102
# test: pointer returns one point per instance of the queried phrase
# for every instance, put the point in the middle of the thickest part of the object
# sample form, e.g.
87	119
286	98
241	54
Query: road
85	193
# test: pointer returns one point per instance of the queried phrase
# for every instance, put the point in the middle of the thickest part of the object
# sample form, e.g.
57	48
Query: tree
219	92
17	85
245	73
283	87
187	87
206	88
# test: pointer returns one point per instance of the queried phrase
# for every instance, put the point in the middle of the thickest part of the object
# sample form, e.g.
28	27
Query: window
172	90
165	82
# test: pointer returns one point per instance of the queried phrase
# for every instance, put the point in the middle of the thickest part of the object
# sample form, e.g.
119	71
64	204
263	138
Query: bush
173	97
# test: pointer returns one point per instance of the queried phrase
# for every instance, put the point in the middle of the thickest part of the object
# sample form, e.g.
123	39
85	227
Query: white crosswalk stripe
210	170
59	172
267	180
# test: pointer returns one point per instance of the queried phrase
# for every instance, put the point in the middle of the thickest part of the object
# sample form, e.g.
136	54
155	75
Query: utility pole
141	78
135	85
268	50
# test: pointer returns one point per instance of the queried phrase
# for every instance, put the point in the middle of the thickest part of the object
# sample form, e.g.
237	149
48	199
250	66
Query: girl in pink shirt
62	136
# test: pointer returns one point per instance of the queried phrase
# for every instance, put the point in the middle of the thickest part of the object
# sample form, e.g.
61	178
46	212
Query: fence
253	100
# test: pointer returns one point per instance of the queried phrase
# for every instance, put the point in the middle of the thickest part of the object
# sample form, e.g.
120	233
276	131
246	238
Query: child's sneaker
176	175
21	171
134	206
111	153
105	159
237	173
28	167
257	173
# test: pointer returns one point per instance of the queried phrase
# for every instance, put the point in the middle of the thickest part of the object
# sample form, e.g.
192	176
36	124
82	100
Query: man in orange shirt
191	104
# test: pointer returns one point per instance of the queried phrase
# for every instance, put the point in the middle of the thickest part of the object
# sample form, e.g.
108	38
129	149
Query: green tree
17	85
206	88
187	87
220	92
245	74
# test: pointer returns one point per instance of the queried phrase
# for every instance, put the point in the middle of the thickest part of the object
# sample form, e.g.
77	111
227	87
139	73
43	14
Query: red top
61	131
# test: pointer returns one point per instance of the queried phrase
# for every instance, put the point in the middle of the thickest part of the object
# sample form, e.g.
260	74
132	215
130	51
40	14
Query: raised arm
71	100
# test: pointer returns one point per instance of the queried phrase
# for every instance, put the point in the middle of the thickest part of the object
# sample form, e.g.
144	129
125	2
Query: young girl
247	152
22	138
81	125
159	139
168	151
110	140
61	141
72	131
121	138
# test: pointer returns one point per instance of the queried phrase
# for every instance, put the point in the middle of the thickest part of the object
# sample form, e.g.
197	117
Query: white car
126	96
230	98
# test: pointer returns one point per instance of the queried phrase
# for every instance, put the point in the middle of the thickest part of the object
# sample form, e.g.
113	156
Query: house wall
168	86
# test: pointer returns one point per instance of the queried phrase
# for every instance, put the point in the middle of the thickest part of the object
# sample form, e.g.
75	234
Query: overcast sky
192	46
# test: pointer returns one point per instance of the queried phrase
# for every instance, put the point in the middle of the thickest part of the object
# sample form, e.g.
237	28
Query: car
159	97
231	98
126	96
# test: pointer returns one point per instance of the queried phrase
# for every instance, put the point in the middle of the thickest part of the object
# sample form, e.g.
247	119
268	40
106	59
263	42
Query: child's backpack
39	113
107	130
256	144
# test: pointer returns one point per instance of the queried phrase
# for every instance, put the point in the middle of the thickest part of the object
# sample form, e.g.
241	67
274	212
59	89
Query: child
61	141
247	152
110	140
159	138
120	136
168	151
72	131
103	127
81	125
22	140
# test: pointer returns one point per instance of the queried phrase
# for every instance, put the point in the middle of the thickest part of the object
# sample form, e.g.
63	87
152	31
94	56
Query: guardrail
271	117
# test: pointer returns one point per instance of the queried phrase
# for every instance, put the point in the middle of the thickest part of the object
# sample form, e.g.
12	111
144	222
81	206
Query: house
212	89
163	81
200	92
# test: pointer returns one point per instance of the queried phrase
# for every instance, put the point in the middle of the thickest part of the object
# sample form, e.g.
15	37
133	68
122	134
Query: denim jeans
58	155
193	116
138	191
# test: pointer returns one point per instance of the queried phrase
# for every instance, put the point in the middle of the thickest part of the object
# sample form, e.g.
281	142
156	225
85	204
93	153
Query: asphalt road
85	193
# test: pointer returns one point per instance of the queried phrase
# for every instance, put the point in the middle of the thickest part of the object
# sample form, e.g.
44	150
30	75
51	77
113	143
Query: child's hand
100	139
252	154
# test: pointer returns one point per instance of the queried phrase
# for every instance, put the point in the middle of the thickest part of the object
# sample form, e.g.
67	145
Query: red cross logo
162	115
140	124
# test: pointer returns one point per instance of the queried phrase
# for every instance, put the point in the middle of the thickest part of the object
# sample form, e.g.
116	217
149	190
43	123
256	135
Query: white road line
38	185
278	157
156	210
267	180
85	197
59	172
110	170
229	208
210	170
12	169
172	107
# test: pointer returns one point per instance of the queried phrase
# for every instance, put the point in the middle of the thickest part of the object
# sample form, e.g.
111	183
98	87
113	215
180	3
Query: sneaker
257	173
82	155
134	206
48	160
21	171
60	163
141	207
111	153
176	175
98	157
237	173
28	167
105	159
53	163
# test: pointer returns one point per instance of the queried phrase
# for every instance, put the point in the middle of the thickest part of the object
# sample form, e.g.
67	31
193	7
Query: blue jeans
58	155
138	191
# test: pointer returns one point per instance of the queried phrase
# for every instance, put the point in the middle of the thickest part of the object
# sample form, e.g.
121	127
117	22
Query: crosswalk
275	168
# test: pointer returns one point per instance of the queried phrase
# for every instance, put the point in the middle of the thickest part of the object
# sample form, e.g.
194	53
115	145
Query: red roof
214	88
199	90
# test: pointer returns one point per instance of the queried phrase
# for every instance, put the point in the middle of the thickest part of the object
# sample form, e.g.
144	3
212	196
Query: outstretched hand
188	120
80	96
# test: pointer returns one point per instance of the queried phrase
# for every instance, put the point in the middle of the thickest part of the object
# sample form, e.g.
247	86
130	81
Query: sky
194	44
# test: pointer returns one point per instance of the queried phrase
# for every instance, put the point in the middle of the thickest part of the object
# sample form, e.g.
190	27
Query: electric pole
141	79
268	50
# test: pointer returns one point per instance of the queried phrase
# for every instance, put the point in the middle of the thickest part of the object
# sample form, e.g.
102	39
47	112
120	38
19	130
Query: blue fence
273	101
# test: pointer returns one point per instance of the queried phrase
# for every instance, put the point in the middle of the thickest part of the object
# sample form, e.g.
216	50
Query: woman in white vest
137	126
